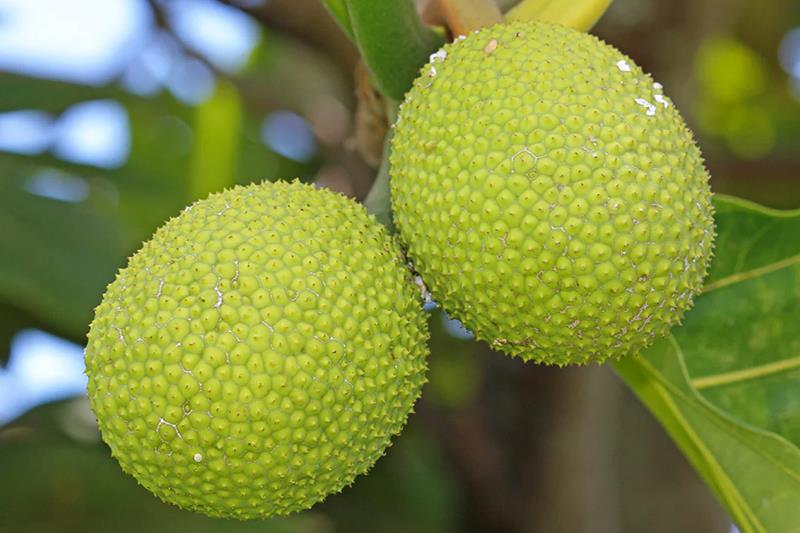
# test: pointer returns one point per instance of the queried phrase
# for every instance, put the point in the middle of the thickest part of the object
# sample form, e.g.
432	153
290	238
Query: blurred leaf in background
77	204
732	83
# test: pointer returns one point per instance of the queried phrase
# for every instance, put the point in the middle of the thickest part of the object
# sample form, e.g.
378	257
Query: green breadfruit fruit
258	353
550	195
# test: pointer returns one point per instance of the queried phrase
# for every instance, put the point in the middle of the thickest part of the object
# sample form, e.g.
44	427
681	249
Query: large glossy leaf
726	385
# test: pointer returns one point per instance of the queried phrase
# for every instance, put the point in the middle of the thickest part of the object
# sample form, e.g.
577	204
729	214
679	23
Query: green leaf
578	14
22	92
55	257
215	153
338	8
725	385
393	42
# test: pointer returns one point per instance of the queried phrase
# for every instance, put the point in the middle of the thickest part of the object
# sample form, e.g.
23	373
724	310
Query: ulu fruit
258	352
550	195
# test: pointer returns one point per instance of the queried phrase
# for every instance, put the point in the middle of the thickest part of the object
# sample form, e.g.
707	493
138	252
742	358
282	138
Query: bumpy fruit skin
550	195
258	352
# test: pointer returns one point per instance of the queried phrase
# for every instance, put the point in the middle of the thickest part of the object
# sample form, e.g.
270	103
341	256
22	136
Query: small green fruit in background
258	352
550	195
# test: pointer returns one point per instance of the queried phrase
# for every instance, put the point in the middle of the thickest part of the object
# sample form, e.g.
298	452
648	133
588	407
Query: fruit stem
466	16
378	200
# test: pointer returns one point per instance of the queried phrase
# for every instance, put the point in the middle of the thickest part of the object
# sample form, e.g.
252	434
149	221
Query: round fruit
258	352
550	195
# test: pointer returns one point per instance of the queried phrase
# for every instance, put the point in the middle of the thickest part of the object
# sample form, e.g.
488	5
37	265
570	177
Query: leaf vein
721	414
745	374
736	500
750	274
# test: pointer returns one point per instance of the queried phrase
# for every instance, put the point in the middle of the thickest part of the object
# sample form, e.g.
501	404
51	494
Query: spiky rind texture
258	353
550	195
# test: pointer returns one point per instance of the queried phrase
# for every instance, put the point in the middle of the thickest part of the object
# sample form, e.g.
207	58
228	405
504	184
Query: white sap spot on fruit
661	100
120	335
623	65
219	297
650	108
638	315
461	38
439	55
197	458
222	211
235	278
657	86
432	72
163	422
491	46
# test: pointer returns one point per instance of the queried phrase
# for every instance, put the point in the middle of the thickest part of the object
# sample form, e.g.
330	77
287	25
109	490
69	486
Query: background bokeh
114	114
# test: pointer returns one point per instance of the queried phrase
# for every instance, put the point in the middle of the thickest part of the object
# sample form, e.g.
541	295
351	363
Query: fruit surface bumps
258	352
550	195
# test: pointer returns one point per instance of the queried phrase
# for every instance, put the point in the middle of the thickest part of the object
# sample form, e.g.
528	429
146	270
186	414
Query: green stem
338	9
393	42
378	201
